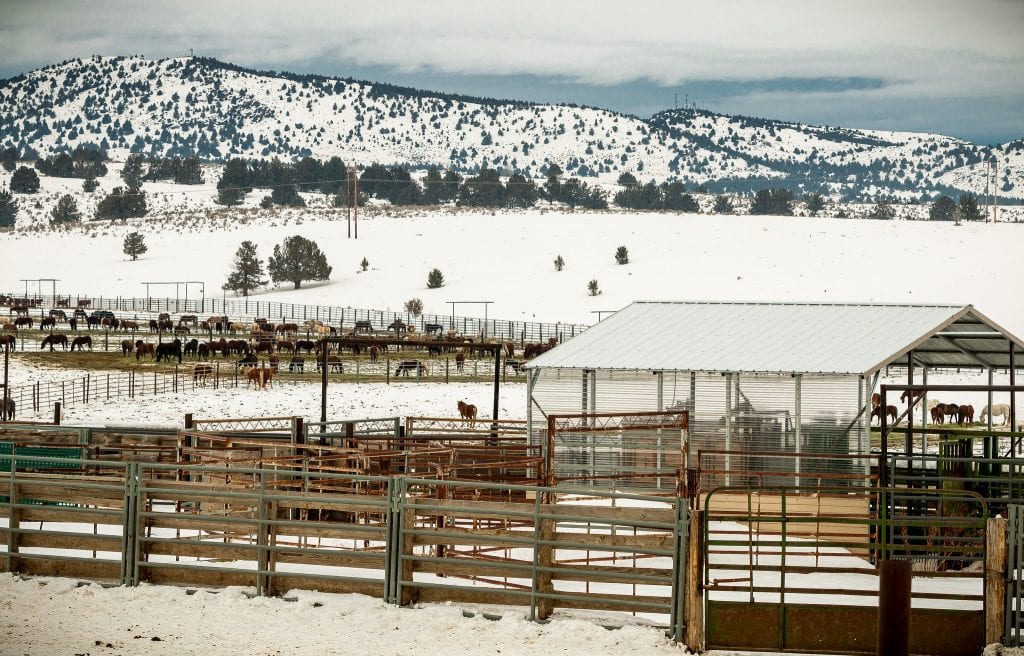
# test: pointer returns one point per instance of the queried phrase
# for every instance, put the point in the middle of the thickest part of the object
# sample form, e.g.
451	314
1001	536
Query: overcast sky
949	66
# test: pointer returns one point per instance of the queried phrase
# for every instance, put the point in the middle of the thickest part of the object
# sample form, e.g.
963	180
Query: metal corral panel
782	337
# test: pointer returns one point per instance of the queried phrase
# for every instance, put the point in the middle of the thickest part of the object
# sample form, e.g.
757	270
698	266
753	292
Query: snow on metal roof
784	337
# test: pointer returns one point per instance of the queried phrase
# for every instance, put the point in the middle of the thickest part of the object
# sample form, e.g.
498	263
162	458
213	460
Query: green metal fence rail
1013	623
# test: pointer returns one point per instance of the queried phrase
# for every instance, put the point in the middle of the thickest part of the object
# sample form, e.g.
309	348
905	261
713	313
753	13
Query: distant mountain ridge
217	110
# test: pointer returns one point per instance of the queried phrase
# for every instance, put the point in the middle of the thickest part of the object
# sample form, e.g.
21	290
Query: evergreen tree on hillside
247	273
882	211
132	172
234	183
134	245
674	197
968	205
723	205
119	204
553	183
334	176
814	202
482	190
9	158
297	259
520	191
773	201
943	209
24	181
65	211
8	209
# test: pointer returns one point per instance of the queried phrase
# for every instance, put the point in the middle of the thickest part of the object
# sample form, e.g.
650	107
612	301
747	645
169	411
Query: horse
405	366
191	347
938	412
54	340
169	350
23	321
128	324
203	351
467	411
953	412
304	345
285	346
144	348
460	361
81	342
248	360
10	408
374	353
296	364
260	377
889	410
127	346
997	410
10	340
201	373
966	415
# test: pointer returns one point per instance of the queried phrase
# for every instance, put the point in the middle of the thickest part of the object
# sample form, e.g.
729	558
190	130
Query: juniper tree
414	306
592	287
364	264
24	181
8	209
297	259
248	271
65	211
723	205
132	172
559	263
622	255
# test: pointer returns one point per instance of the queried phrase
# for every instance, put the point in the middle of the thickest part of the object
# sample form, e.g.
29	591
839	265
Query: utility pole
988	173
995	193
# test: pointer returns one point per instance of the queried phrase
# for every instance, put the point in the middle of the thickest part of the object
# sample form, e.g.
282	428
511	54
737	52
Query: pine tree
592	287
65	211
968	204
119	204
134	245
89	185
723	205
132	172
622	255
297	259
435	279
559	263
247	272
24	181
814	202
882	211
942	209
8	209
365	264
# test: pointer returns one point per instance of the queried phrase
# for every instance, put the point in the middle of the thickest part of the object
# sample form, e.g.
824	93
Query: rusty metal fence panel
1013	634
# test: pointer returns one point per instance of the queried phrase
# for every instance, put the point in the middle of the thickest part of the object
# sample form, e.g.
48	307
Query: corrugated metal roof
783	337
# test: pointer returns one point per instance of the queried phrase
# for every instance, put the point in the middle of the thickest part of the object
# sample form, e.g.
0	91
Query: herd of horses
942	413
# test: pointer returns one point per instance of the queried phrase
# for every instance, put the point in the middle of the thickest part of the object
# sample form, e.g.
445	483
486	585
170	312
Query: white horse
998	409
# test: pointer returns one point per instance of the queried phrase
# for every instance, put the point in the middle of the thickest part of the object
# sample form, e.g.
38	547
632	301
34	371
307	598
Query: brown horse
938	412
81	343
144	348
54	340
201	373
889	410
467	411
460	361
966	415
127	346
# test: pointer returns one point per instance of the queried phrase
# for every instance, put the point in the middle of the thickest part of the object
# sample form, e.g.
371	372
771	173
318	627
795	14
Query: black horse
168	350
10	408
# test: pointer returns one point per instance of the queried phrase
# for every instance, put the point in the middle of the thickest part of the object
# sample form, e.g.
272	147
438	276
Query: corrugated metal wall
747	416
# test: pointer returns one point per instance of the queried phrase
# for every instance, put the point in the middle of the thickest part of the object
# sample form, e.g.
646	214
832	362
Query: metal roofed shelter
779	378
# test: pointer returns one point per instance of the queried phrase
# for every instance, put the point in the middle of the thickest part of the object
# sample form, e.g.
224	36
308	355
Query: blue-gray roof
784	337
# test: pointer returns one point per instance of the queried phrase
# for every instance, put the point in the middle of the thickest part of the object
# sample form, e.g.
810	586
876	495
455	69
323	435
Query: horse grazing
127	346
23	321
201	373
997	410
47	322
169	350
467	411
889	410
144	348
82	342
54	340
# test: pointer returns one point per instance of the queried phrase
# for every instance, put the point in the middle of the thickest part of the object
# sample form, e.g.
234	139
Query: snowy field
505	258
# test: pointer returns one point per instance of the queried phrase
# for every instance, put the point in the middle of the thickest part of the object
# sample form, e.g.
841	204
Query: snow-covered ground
502	257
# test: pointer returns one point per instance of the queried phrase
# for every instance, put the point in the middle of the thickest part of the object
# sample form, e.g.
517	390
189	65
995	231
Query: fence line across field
99	387
246	310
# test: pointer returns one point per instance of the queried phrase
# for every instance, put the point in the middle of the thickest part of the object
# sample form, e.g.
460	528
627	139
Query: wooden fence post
694	590
409	594
546	559
995	579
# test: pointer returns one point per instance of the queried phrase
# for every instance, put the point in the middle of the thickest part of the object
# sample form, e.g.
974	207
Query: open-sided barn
756	378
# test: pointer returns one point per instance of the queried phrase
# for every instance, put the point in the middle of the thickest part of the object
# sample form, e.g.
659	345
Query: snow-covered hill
190	106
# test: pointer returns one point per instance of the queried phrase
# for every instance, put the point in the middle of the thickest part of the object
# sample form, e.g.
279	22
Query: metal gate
1014	621
790	569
